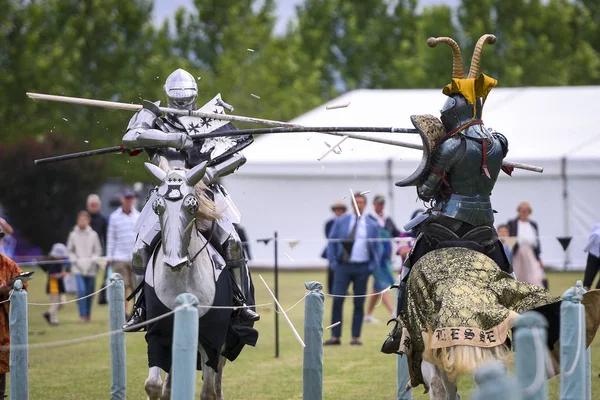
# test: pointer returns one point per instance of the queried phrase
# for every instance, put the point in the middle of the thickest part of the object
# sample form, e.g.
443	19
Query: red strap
508	170
484	161
460	128
442	174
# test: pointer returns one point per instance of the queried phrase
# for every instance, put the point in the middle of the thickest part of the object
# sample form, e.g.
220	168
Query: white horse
182	263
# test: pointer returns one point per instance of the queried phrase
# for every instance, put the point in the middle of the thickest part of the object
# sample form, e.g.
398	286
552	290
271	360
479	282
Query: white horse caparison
181	264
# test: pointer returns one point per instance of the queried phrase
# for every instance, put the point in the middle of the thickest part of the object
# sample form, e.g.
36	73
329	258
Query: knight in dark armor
168	141
461	163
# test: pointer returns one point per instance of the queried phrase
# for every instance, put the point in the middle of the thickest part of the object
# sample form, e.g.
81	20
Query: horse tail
461	359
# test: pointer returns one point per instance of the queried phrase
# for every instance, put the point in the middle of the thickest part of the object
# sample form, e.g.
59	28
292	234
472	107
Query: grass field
82	371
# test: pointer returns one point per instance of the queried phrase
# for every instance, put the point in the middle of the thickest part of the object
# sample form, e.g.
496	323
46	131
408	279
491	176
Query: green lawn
82	371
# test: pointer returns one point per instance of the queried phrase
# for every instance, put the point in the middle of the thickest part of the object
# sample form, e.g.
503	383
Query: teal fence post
572	345
19	352
312	369
493	383
588	374
118	362
402	374
530	355
185	348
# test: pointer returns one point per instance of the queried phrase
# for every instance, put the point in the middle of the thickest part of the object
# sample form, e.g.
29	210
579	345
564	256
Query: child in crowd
55	287
503	234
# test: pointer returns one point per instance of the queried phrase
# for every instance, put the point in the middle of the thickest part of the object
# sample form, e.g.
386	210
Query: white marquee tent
284	188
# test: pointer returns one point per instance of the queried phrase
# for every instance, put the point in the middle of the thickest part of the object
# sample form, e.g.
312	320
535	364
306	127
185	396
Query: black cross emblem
206	121
194	128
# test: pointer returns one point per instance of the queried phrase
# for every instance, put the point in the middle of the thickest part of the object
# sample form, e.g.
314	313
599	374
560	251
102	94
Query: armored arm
140	132
224	168
444	157
504	143
501	138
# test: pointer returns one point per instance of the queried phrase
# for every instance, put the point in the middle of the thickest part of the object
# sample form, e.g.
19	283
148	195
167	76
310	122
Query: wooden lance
284	127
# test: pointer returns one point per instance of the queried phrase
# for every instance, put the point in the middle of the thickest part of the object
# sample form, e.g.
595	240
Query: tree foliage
42	201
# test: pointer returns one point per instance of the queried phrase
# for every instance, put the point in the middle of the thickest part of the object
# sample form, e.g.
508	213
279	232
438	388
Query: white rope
362	295
60	343
34	262
298	302
74	300
579	342
7	300
540	370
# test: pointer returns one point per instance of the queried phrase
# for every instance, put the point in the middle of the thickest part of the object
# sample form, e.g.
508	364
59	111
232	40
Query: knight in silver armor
457	177
166	140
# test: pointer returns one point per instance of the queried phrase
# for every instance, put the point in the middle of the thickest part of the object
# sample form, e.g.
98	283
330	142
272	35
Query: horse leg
451	388
433	379
166	389
219	378
153	384
208	391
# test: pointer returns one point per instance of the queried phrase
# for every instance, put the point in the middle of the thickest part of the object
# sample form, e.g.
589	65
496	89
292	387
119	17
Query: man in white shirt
120	239
354	251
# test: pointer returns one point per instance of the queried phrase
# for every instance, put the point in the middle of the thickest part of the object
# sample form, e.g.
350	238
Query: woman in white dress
526	251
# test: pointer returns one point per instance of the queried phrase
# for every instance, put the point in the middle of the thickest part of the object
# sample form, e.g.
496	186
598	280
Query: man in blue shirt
354	251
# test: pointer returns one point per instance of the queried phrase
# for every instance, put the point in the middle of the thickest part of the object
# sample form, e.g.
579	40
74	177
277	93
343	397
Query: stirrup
391	345
245	315
137	317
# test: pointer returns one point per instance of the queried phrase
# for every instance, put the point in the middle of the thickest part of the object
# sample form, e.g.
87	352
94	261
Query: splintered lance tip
335	106
283	312
333	325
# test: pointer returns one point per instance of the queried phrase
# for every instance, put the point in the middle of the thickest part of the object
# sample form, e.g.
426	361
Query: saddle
480	239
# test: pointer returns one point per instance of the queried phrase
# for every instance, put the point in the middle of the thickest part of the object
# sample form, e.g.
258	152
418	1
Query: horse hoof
437	390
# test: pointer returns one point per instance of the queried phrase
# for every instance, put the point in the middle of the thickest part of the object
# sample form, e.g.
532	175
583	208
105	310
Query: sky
286	9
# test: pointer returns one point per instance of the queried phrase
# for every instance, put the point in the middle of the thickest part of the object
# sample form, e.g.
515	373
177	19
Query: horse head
176	205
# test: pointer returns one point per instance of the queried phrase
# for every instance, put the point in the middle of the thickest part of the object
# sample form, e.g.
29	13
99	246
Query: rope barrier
363	295
74	300
298	302
60	343
35	259
7	300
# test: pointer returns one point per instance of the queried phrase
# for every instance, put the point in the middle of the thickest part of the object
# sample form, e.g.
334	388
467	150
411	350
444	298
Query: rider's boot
138	315
236	262
392	343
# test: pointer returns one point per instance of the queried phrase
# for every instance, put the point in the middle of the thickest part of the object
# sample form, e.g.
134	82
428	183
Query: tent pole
563	174
390	182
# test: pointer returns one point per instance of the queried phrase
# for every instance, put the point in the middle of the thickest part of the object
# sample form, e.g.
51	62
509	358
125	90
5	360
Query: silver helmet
181	90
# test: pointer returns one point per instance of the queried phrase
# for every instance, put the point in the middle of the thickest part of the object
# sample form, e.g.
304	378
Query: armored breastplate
467	176
470	186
